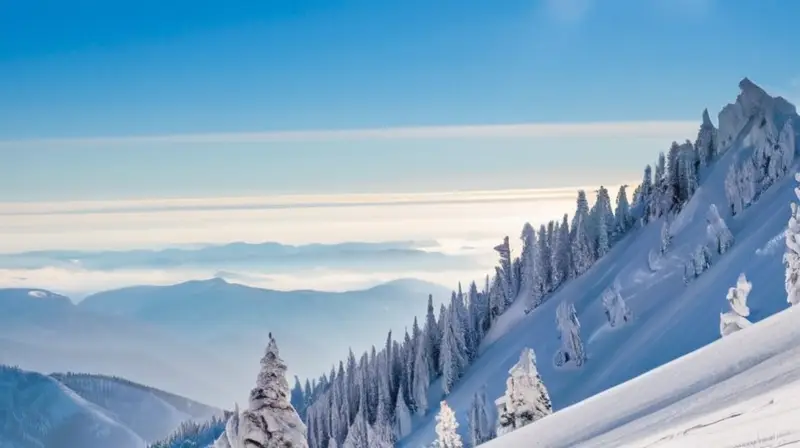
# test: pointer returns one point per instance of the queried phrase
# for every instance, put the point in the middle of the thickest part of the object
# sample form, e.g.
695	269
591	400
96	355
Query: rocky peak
751	102
707	120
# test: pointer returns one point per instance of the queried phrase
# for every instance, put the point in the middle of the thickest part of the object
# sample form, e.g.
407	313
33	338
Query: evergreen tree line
368	401
192	434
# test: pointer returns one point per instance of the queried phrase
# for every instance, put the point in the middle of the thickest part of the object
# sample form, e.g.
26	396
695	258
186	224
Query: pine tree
497	296
298	399
505	272
360	433
616	309
543	262
581	256
706	142
353	395
735	319
660	187
622	213
475	333
270	421
718	231
526	399
646	196
453	361
571	343
402	417
421	376
486	428
434	337
791	259
383	429
447	428
666	237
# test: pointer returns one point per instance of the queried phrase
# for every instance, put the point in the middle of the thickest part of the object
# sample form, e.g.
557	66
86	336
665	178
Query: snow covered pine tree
480	430
717	230
526	399
571	343
791	258
447	429
617	311
270	421
734	320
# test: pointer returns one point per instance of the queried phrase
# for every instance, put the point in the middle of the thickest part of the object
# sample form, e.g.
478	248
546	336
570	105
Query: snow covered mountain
606	296
151	413
183	338
41	411
235	318
46	332
750	187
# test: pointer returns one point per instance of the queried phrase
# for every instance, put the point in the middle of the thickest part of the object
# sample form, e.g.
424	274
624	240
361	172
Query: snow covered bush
791	258
526	399
735	319
270	421
717	231
447	428
617	311
571	343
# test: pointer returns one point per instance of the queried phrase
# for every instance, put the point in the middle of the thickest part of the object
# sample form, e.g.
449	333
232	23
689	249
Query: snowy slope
740	391
153	414
39	412
88	411
671	319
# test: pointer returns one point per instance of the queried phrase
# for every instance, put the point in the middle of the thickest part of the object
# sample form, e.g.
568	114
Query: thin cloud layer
529	130
117	226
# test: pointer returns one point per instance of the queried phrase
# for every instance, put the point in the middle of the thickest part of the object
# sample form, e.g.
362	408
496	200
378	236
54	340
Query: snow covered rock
752	100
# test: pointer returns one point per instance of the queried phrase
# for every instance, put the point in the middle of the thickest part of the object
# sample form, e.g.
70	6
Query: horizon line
647	128
293	200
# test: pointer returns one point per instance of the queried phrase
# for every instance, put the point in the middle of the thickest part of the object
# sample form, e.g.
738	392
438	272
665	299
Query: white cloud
595	129
426	216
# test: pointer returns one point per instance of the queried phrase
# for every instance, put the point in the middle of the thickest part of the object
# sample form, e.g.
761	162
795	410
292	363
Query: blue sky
83	69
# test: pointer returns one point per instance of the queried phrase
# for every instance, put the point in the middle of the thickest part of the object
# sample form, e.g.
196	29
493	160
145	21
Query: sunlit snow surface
742	391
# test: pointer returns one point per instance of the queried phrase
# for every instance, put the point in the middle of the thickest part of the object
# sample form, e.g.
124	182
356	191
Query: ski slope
670	318
743	390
